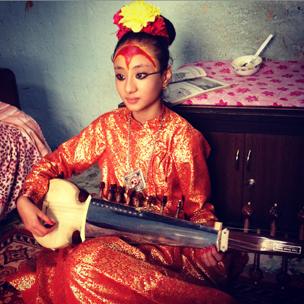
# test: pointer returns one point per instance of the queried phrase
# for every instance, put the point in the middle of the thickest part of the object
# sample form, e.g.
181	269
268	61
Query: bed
22	143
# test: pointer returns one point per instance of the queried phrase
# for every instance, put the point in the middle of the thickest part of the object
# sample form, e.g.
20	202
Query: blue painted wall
60	51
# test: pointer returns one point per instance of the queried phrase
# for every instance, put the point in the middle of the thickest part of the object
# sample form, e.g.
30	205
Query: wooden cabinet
258	157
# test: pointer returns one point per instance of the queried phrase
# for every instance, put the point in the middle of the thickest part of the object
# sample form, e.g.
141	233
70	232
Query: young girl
144	146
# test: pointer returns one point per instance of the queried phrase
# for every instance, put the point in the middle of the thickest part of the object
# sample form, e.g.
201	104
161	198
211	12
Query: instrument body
62	204
95	217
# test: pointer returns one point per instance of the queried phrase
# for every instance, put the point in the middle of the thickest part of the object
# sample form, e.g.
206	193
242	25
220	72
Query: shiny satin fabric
177	167
109	269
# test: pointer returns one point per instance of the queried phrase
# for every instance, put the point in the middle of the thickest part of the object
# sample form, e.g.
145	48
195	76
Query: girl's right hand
33	217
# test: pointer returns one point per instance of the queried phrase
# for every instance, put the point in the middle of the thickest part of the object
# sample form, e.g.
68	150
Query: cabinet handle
237	159
248	159
251	182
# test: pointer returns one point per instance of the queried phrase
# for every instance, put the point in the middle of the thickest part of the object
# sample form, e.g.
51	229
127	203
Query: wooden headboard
8	88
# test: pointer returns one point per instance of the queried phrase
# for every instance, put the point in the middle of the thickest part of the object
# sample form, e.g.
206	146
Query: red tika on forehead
129	51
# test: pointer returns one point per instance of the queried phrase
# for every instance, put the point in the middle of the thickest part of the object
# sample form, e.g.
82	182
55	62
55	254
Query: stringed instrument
73	210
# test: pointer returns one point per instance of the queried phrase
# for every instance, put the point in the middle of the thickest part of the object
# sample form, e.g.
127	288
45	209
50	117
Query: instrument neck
146	227
264	244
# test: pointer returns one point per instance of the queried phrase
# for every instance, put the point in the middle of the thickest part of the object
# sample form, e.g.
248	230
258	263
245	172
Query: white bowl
246	65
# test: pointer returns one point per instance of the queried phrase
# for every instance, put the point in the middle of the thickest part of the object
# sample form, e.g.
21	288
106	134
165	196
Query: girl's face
138	80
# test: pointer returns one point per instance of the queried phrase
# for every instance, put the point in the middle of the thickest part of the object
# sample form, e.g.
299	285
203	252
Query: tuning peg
135	200
273	212
163	204
76	238
145	202
247	211
83	195
151	201
140	198
180	207
120	195
102	186
131	195
112	193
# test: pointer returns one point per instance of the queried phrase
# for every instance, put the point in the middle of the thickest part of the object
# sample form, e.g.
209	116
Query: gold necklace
135	178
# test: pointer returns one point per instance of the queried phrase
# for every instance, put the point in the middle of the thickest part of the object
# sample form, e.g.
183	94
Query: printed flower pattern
277	84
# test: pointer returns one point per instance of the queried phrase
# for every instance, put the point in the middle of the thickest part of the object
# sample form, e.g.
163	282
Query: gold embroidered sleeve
72	157
190	154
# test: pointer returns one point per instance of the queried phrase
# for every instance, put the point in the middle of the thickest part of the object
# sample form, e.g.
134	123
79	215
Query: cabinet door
274	173
226	173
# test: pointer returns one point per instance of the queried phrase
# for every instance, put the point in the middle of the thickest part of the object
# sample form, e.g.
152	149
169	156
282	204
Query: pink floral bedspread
276	84
22	145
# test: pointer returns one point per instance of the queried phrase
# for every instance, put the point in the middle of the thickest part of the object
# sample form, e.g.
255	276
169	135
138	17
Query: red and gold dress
172	155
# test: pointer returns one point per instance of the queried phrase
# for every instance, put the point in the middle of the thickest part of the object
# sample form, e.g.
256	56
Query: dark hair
159	44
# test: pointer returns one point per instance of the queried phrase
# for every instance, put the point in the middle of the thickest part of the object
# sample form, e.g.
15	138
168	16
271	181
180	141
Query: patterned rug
16	246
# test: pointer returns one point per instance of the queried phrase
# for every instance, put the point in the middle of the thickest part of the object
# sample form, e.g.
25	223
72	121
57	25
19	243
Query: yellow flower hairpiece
137	14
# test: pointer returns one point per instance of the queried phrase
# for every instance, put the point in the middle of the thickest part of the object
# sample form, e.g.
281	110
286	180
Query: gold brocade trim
24	282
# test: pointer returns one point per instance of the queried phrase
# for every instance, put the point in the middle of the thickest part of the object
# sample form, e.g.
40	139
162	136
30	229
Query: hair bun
170	30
